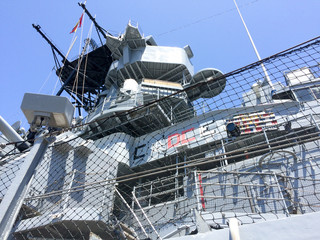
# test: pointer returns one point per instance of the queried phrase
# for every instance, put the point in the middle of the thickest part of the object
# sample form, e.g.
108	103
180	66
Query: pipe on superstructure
12	135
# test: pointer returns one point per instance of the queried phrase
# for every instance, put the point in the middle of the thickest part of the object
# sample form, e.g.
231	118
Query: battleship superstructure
165	152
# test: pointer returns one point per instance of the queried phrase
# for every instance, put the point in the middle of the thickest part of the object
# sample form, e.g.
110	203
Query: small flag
80	20
79	24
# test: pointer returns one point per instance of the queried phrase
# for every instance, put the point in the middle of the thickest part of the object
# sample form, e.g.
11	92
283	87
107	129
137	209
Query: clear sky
212	28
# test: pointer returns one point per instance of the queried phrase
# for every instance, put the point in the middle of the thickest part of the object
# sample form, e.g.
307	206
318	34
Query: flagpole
254	47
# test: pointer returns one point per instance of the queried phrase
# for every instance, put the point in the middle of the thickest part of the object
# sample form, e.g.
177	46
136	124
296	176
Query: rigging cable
85	66
75	83
204	19
45	82
73	40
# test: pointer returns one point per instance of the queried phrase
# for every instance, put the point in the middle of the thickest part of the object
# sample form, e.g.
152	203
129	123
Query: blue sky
212	28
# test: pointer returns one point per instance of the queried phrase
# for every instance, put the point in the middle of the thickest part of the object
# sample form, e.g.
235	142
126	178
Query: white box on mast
58	109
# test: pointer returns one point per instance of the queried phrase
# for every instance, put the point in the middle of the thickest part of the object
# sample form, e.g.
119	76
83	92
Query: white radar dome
130	85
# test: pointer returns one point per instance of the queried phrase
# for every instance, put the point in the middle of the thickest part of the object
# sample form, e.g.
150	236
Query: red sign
179	139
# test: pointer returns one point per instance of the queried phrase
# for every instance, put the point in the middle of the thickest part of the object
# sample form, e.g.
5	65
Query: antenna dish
209	90
130	86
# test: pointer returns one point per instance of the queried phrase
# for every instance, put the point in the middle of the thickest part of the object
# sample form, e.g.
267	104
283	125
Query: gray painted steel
150	152
304	227
12	201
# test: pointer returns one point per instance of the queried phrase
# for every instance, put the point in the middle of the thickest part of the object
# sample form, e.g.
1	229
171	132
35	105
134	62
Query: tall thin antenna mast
254	47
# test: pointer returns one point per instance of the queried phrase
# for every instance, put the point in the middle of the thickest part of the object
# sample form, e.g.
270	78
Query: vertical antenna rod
37	27
101	30
254	47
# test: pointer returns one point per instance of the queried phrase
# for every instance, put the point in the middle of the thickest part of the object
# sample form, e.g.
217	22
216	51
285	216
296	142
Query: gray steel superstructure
168	153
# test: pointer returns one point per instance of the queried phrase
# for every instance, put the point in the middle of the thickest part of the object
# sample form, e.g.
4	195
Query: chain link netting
149	182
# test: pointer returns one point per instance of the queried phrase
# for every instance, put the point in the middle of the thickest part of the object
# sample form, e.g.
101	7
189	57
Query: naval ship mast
168	153
98	61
